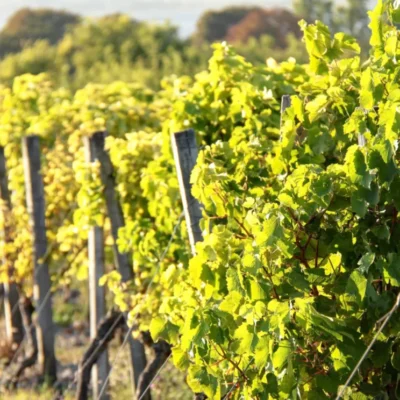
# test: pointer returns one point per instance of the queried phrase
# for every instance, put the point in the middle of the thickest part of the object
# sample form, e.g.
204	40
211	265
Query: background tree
28	25
351	17
355	20
105	49
40	57
117	47
277	23
312	10
214	25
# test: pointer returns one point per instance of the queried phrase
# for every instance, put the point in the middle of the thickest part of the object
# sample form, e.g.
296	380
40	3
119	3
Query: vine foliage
300	253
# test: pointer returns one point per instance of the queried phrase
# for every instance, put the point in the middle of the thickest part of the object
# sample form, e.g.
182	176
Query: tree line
74	50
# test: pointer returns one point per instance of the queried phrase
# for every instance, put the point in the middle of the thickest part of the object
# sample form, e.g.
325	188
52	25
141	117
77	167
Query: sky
183	13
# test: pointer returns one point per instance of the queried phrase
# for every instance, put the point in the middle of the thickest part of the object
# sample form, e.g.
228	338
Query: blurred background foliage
74	50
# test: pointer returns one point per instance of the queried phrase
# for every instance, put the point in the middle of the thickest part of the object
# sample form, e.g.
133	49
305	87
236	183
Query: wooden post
42	284
361	140
123	261
185	151
286	103
184	147
13	318
97	302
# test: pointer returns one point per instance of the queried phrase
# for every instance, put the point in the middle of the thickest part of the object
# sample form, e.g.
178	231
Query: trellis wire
235	383
98	346
145	294
19	349
155	377
39	310
15	308
385	320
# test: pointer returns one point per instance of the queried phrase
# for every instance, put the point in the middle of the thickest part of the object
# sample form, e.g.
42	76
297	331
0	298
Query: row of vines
300	256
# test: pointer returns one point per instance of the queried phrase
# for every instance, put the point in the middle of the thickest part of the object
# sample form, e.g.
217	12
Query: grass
35	394
71	343
169	385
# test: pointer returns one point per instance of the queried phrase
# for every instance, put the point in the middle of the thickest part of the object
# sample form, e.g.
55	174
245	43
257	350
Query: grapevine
299	260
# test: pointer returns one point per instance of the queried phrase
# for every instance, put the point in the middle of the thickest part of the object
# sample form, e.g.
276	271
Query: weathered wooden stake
184	147
123	261
286	103
42	284
185	151
13	319
96	294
